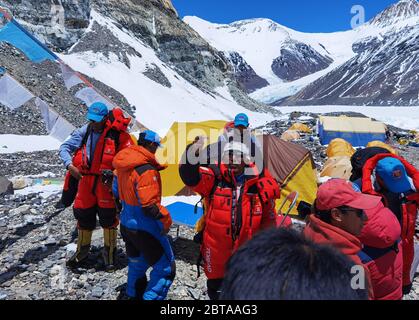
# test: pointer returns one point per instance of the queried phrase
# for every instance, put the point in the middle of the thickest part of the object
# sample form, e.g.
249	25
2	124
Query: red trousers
94	198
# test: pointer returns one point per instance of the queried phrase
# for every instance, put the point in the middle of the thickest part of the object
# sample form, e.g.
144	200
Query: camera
304	209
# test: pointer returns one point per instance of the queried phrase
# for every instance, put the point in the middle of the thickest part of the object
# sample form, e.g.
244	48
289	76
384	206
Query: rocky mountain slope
141	49
273	52
385	70
374	64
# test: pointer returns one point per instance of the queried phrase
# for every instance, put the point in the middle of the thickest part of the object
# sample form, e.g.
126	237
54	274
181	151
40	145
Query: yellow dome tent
300	127
381	145
179	136
337	167
293	167
290	135
339	147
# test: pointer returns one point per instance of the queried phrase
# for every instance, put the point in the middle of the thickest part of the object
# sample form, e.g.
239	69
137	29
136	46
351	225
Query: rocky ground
37	236
44	80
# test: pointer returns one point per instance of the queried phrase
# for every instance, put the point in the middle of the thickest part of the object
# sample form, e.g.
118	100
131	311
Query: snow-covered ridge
157	106
261	41
397	13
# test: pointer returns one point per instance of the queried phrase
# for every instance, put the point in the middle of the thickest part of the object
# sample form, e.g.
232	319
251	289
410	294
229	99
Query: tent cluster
339	153
14	95
411	139
290	164
295	131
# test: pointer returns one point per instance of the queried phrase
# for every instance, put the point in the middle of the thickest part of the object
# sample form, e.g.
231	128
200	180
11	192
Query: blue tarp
183	213
357	139
21	39
2	70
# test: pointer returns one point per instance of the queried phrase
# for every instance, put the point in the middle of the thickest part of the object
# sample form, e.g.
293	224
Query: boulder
20	183
6	186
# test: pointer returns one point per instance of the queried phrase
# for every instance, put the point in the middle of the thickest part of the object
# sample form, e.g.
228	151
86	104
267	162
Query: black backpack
360	157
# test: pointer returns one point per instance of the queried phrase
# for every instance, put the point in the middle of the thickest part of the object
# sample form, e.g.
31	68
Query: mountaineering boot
109	248
83	247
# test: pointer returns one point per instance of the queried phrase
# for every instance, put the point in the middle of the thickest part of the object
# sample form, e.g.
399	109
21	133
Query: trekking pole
292	197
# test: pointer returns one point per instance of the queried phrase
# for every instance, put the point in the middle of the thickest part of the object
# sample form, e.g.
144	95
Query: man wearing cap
239	131
397	182
87	155
338	218
239	201
144	221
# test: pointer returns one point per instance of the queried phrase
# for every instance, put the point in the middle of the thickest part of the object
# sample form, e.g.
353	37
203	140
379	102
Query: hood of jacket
134	156
368	172
382	229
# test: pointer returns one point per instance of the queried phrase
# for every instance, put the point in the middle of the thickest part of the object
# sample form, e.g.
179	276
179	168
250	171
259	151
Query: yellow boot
109	249
83	247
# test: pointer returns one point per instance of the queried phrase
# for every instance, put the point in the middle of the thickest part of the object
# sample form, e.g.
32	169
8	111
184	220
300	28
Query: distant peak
257	25
404	9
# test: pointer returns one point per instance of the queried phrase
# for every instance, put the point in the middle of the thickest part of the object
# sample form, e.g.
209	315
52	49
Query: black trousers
139	243
86	218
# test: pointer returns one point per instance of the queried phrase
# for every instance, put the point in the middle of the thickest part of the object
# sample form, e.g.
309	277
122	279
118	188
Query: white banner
12	94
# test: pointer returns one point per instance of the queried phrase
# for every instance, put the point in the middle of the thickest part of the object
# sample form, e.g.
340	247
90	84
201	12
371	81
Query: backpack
360	157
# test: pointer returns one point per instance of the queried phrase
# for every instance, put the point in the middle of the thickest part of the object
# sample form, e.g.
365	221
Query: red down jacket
233	215
409	206
324	233
382	253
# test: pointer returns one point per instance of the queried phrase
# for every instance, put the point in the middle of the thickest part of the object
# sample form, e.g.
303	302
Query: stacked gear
397	181
93	156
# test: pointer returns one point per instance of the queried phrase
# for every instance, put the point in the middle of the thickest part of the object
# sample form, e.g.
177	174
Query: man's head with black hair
281	264
150	140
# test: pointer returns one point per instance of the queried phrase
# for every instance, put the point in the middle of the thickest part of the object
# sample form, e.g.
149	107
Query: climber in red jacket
338	218
397	182
382	253
238	201
88	154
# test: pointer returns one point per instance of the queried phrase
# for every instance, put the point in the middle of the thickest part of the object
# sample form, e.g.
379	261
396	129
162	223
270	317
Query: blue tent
357	131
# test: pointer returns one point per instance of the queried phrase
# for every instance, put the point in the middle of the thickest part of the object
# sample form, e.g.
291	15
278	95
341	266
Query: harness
236	207
368	254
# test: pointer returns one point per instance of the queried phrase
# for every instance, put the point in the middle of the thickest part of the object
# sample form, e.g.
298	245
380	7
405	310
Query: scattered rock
6	187
22	209
20	183
97	292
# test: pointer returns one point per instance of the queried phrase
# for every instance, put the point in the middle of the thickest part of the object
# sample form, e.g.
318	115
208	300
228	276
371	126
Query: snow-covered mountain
385	70
161	68
160	94
290	61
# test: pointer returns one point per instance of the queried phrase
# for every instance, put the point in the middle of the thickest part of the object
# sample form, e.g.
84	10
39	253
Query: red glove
268	189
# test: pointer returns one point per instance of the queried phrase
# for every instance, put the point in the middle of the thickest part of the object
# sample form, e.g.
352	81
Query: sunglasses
235	157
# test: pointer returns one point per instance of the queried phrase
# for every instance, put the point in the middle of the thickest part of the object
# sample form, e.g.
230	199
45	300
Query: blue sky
301	15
